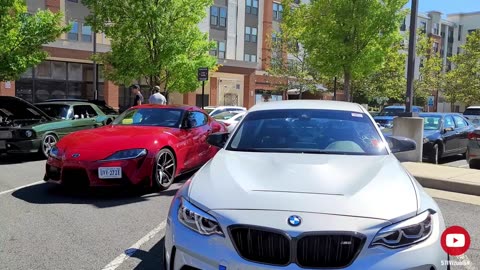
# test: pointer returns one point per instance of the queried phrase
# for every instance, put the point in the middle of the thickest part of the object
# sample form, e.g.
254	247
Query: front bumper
428	150
20	146
85	173
187	248
473	151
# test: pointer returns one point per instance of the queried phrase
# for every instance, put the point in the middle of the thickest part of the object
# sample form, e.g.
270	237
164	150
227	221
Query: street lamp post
412	43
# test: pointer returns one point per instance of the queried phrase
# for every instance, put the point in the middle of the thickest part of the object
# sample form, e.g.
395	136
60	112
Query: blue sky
448	6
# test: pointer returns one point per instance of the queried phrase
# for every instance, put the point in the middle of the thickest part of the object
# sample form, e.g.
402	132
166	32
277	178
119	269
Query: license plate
109	172
3	145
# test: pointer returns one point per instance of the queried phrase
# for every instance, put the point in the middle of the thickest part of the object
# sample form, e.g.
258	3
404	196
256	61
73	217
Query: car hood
109	139
429	133
374	187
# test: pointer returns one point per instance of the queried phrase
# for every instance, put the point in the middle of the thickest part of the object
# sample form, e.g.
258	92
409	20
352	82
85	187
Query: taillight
474	136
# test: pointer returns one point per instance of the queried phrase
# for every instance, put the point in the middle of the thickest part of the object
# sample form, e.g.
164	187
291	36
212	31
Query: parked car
76	110
102	105
230	119
212	111
472	113
147	145
304	184
24	128
445	134
387	114
473	149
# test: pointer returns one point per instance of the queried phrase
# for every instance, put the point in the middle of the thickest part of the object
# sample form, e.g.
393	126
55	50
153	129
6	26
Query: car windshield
161	117
209	110
391	112
225	115
432	122
15	111
59	111
308	131
472	112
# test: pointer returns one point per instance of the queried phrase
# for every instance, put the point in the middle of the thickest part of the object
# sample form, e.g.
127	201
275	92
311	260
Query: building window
73	34
277	11
251	7
423	27
458	50
460	27
435	47
250	58
221	49
223	17
435	29
214	15
403	27
250	34
74	1
86	33
246	58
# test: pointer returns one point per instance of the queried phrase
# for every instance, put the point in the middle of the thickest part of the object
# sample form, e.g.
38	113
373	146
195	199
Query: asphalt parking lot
45	227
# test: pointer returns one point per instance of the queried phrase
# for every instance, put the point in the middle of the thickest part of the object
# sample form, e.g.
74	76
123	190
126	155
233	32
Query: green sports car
25	128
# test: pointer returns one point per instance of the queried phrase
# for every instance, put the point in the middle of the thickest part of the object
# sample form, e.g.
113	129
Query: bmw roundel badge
294	221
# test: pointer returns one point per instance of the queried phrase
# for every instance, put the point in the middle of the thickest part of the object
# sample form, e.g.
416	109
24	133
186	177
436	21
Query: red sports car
146	145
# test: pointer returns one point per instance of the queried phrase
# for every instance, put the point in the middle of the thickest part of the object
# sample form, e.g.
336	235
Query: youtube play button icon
455	241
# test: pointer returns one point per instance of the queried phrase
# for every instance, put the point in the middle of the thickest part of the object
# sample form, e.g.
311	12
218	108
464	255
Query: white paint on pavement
17	188
131	250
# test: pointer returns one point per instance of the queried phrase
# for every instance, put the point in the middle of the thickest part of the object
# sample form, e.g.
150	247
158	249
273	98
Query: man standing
138	100
156	97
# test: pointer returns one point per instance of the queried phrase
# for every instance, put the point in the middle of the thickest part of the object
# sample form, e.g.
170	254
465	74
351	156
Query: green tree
344	36
158	40
388	82
22	36
466	73
431	77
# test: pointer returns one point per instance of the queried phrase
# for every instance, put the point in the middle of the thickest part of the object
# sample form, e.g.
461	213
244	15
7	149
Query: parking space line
131	250
17	188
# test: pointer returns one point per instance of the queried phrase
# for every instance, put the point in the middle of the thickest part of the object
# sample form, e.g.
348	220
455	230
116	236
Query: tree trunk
347	77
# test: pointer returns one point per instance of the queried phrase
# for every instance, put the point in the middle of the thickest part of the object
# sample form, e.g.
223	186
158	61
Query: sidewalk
466	181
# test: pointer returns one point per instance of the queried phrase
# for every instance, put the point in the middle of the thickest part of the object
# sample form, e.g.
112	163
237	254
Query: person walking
156	97
138	100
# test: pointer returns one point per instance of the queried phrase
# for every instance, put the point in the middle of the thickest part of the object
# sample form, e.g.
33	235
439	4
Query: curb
446	185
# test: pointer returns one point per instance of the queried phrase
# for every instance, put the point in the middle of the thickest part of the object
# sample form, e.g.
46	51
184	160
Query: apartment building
241	28
449	34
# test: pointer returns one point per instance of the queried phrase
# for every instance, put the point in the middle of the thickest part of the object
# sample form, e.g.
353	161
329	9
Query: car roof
436	114
64	103
308	104
169	106
473	107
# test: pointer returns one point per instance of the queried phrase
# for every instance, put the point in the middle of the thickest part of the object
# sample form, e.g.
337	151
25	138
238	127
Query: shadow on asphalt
15	159
47	193
452	159
152	259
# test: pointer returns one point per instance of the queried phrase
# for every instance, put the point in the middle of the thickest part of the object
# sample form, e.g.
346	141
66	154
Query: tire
164	169
474	164
48	141
435	155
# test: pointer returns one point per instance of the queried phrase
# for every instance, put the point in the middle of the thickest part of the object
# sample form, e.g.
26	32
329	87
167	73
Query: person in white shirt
156	97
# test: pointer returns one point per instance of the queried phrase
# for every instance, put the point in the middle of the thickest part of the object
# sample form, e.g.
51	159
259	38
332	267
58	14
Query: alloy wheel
48	142
165	169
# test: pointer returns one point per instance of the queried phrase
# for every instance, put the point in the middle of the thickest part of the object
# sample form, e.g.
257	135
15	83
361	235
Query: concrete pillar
213	91
249	90
7	88
412	128
111	92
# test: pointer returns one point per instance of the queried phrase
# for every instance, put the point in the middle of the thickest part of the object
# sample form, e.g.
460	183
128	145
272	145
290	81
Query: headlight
197	220
127	154
54	152
405	233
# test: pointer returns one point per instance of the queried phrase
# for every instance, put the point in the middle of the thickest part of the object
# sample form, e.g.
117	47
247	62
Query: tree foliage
22	36
431	76
344	36
463	82
158	40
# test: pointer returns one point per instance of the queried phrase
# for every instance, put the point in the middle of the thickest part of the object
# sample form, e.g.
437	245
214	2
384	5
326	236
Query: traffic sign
431	101
203	74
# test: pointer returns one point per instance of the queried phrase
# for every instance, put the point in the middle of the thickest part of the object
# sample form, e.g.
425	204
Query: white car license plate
109	172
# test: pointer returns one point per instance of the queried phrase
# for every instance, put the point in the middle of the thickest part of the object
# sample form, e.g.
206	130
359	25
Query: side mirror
445	130
401	144
218	139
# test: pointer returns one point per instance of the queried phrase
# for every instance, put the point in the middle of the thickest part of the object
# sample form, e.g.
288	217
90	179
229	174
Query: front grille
5	134
261	246
329	251
75	177
53	173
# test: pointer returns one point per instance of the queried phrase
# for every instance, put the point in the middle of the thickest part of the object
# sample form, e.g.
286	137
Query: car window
225	115
166	117
391	111
239	118
432	122
311	131
459	122
449	122
59	111
472	111
197	119
219	111
84	111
